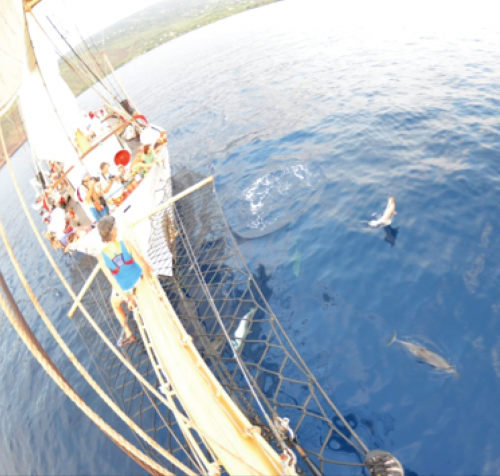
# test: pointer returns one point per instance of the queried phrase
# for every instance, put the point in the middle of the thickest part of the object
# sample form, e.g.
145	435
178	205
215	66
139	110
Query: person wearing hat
122	263
144	161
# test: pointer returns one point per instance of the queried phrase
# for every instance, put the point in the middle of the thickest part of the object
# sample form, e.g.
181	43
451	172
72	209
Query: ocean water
310	114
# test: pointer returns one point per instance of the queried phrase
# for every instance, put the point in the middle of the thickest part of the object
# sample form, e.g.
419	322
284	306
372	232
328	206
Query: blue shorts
128	292
98	215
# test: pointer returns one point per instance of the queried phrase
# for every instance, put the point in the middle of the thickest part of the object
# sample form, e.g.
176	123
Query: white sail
12	51
51	112
49	108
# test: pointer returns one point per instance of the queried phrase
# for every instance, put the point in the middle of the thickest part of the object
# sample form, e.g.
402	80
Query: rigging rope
249	380
83	75
92	55
202	233
117	353
15	317
297	355
83	62
74	360
107	313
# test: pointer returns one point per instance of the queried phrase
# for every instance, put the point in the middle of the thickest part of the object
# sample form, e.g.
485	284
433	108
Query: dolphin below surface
242	330
386	218
426	355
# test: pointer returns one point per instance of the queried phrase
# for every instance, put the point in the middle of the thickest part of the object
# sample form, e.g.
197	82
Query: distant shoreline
123	47
157	28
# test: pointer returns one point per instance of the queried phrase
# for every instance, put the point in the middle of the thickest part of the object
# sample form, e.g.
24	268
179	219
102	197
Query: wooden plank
106	137
169	202
238	445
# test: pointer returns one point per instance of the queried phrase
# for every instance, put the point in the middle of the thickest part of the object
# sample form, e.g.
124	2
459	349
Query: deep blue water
310	114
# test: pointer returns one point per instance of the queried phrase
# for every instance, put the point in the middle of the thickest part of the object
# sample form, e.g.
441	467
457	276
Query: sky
90	16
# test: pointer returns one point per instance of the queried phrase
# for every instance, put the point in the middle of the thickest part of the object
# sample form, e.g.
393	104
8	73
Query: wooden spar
85	288
238	445
11	310
152	466
169	202
114	131
61	178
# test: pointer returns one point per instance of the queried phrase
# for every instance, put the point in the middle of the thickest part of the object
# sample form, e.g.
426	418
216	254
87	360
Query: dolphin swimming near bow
386	218
426	355
242	330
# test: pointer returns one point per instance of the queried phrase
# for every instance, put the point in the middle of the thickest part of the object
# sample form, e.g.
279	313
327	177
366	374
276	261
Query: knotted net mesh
233	327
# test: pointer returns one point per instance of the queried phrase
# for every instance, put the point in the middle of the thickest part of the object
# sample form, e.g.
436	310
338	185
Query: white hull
144	198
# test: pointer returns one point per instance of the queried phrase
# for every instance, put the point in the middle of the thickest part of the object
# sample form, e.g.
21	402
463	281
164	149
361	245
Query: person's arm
90	192
138	166
138	158
110	183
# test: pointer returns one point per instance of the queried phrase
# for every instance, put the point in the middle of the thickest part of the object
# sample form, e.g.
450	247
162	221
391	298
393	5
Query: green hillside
132	37
151	27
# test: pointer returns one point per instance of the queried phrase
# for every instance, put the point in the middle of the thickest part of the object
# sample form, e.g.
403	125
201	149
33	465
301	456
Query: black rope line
195	227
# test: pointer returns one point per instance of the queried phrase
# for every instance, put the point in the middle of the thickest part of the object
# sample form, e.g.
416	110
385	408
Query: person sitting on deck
54	242
94	198
109	183
74	235
138	157
162	140
123	175
57	222
144	161
122	263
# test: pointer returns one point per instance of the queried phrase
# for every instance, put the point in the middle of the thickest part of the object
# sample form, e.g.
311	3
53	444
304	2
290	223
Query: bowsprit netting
216	297
121	384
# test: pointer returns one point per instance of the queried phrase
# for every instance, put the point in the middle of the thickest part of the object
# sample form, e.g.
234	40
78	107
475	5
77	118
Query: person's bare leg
116	302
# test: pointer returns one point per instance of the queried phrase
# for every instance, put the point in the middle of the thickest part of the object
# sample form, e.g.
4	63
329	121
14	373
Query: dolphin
386	218
242	330
238	336
426	355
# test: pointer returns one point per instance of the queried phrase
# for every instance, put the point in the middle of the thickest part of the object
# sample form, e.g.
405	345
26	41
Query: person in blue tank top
123	263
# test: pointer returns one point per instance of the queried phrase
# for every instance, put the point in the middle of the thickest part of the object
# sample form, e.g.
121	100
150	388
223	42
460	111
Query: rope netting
215	296
139	403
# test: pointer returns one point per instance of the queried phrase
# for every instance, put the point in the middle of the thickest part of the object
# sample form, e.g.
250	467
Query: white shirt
57	223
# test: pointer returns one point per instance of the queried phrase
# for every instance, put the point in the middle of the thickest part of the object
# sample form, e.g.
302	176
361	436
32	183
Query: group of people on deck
63	228
94	190
120	260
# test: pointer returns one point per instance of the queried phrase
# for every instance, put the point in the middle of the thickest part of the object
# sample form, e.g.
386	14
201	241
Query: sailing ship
213	385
